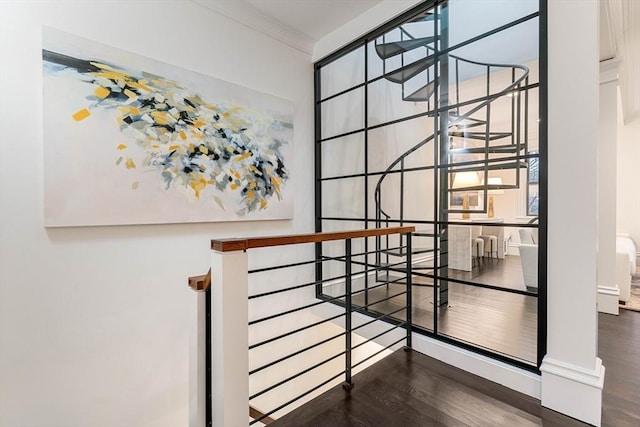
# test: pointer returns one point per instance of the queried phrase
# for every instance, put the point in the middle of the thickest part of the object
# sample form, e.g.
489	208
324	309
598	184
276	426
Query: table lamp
465	180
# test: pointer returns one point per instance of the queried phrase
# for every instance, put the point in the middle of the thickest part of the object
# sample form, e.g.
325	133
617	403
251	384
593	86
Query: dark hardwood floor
410	389
474	315
619	349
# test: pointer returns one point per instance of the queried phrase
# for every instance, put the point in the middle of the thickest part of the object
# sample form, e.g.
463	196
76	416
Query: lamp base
465	205
490	211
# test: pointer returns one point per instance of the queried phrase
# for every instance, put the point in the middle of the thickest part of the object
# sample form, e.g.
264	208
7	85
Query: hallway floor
410	389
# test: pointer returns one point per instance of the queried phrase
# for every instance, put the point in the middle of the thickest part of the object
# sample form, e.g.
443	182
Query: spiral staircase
466	138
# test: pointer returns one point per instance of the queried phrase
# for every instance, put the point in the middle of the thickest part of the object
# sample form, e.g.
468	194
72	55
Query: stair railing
274	342
515	86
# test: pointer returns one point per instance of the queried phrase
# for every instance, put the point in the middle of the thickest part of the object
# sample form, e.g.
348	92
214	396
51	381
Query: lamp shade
465	180
495	181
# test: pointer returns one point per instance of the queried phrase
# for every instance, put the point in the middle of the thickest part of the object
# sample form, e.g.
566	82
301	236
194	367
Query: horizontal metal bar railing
296	375
302	350
307	351
295	331
294	310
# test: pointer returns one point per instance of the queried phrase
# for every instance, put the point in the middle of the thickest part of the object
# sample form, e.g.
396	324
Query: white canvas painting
131	140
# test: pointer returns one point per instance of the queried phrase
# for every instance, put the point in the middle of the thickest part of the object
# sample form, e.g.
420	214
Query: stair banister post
229	338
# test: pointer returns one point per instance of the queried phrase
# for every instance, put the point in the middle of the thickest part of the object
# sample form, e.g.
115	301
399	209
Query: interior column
572	374
608	290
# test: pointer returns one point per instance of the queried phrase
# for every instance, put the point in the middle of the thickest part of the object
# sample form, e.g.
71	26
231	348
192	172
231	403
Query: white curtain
624	21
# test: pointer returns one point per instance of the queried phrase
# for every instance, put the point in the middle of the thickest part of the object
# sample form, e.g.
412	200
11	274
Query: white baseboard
573	390
608	297
502	373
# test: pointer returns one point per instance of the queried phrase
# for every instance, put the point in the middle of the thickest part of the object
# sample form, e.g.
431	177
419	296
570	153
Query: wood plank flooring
474	315
410	389
619	349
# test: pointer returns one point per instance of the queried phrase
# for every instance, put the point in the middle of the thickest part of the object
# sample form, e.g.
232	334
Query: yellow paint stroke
121	146
234	173
81	115
101	92
134	185
242	156
263	204
155	146
233	186
130	164
137	85
252	185
173	147
199	123
183	135
160	117
131	94
203	149
198	186
225	114
134	111
230	148
250	195
276	183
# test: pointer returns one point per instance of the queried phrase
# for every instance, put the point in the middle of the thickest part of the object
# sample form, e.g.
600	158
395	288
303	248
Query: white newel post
229	339
197	363
608	290
572	374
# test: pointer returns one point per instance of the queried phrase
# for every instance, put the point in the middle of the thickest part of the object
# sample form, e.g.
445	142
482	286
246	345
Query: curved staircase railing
402	74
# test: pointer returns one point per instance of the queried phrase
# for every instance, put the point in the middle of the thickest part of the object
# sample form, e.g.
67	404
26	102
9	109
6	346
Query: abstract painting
131	140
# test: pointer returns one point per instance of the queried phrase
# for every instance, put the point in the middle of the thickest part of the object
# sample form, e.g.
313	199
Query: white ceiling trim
246	14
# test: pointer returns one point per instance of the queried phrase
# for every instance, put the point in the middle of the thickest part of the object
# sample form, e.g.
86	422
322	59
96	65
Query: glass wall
433	121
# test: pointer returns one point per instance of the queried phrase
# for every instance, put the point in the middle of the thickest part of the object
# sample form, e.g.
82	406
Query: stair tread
496	166
387	50
423	94
427	15
509	148
403	74
467	122
480	135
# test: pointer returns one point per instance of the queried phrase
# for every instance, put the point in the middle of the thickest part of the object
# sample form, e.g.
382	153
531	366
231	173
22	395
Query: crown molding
245	14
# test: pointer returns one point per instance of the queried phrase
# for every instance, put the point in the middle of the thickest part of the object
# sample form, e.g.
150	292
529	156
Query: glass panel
343	73
343	198
343	114
343	156
470	18
497	321
492	133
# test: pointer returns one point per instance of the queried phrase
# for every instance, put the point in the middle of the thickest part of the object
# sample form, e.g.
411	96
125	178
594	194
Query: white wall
95	321
628	178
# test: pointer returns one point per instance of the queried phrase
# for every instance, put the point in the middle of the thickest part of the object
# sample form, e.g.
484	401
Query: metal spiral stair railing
405	72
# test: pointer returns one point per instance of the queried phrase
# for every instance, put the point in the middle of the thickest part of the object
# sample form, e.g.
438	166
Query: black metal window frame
367	221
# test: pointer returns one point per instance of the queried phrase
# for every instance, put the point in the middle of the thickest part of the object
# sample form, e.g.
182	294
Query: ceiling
301	23
314	18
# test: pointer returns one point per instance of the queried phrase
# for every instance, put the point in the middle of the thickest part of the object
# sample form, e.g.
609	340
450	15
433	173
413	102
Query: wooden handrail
256	413
228	245
203	282
200	283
